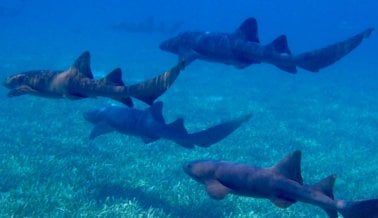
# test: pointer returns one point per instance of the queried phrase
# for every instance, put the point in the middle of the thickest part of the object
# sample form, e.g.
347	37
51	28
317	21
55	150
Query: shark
242	48
282	184
150	125
77	82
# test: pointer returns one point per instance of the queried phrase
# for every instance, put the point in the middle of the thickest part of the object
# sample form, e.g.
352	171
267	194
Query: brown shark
78	82
282	184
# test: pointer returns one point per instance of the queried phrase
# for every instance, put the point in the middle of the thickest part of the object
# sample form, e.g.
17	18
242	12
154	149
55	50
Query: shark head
201	171
181	43
15	81
171	45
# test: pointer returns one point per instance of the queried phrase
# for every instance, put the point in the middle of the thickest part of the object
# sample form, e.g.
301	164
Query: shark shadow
147	200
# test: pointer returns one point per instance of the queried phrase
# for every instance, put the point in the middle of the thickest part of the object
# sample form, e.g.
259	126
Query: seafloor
49	167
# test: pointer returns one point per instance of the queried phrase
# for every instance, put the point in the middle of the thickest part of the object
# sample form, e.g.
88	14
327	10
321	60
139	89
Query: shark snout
164	46
7	83
186	167
14	81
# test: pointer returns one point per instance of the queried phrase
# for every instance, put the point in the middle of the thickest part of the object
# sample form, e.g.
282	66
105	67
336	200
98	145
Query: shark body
282	184
78	83
242	48
150	125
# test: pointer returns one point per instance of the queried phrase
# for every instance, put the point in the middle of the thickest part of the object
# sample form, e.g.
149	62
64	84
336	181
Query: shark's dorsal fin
280	45
325	186
83	65
178	127
157	111
248	30
115	77
290	167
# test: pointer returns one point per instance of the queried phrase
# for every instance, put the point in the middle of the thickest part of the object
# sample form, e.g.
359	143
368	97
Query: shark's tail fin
280	47
325	186
115	78
149	90
217	133
315	60
365	208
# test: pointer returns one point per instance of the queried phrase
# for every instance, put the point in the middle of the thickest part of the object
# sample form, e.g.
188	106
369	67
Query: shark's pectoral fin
148	140
283	203
216	190
188	56
100	129
21	90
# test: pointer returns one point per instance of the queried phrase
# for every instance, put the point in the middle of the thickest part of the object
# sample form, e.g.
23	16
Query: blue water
50	168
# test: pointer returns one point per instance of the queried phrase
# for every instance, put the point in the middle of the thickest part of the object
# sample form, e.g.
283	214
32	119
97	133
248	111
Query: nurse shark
77	82
242	48
282	184
150	125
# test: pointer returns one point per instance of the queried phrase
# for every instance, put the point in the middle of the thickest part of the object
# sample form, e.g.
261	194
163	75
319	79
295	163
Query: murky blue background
49	167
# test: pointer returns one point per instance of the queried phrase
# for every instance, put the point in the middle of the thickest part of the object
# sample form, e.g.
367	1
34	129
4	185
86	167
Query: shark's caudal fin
365	209
115	78
315	60
280	46
83	65
149	90
248	30
325	186
217	133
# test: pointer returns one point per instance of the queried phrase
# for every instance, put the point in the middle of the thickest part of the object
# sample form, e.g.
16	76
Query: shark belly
245	181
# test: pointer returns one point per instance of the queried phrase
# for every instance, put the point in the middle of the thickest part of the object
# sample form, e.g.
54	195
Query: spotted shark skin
282	184
78	82
242	48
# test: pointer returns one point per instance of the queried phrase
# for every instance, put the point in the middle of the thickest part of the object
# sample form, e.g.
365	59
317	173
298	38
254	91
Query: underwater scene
188	108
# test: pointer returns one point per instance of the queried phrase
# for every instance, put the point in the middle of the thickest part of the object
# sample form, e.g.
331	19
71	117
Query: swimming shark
78	82
242	48
150	125
282	184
